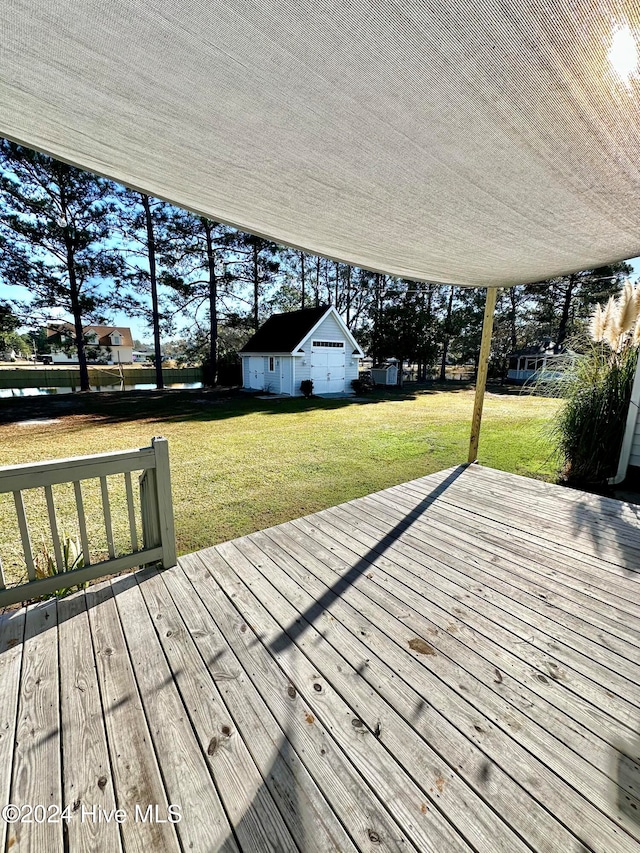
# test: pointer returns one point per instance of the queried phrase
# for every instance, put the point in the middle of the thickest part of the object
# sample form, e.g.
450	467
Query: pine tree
55	223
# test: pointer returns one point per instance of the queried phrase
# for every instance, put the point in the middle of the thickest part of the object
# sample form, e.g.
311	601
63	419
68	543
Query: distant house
532	362
313	343
104	344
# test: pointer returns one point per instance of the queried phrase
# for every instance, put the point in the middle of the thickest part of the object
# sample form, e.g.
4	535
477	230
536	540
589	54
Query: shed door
328	366
256	372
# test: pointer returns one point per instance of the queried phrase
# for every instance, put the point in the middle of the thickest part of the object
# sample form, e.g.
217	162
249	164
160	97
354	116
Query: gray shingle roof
282	332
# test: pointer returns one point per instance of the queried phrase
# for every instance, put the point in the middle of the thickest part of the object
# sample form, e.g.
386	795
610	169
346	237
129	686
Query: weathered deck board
422	669
87	779
274	779
11	647
37	777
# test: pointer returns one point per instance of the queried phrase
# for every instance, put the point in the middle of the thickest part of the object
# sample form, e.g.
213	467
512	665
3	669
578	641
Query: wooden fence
155	507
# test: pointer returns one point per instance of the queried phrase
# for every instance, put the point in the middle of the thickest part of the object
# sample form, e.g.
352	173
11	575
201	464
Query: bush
363	384
306	386
589	427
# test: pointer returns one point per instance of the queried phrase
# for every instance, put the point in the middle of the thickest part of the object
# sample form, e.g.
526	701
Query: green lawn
241	464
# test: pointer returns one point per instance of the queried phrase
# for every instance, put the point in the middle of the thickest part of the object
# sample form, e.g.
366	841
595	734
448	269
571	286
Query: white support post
165	504
483	367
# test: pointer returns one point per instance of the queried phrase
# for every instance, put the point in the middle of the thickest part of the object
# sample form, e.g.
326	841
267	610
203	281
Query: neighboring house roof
103	333
545	347
286	332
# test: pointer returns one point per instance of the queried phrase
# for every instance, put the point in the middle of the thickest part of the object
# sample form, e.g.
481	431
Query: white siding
272	377
328	330
634	458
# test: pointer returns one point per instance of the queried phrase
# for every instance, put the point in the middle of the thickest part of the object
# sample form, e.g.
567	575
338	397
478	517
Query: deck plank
355	639
589	732
344	693
278	787
231	766
136	774
87	779
575	665
361	807
186	776
572	626
11	647
524	573
475	704
37	774
553	552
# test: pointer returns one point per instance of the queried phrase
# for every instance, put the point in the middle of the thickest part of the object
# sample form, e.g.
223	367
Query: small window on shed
328	343
271	364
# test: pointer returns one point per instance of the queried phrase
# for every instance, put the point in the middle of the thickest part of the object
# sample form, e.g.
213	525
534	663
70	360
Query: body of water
68	389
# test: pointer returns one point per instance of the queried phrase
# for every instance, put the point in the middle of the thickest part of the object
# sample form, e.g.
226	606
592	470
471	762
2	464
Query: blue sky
139	328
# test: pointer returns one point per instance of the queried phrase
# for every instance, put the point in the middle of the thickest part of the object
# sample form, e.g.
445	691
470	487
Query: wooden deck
450	665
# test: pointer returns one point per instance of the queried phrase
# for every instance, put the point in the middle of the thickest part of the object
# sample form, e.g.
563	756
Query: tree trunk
348	316
445	343
155	312
566	308
318	283
512	318
302	278
74	291
77	322
256	284
337	285
211	374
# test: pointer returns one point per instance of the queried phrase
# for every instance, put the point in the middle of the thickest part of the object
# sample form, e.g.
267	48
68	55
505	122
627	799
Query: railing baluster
107	516
156	545
131	509
82	523
53	524
24	535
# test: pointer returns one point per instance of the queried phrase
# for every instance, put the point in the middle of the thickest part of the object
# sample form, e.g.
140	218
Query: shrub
589	427
306	386
363	384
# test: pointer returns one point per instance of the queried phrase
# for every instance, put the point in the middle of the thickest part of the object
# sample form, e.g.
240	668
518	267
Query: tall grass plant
596	388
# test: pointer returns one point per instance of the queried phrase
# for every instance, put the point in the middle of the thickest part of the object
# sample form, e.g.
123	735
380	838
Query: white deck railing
156	511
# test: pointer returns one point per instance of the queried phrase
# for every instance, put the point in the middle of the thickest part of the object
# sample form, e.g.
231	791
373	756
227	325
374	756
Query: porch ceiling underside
484	143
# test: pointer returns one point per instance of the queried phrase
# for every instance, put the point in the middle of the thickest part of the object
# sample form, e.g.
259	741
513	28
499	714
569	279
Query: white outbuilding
313	343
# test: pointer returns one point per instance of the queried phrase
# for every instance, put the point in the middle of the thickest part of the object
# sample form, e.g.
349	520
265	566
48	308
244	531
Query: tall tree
55	223
195	252
141	218
563	304
257	262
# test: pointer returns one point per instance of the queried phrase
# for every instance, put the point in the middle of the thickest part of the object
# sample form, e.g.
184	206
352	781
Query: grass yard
239	464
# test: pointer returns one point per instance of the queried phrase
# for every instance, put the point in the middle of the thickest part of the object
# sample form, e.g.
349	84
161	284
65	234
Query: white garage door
327	366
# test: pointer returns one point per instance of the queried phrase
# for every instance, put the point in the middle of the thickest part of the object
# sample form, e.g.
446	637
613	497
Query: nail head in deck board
11	648
36	777
136	775
87	780
357	805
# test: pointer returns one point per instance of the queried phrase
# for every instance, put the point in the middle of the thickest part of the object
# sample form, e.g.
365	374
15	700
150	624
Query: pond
68	389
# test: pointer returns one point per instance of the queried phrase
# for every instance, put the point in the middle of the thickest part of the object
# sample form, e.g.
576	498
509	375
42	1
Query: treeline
88	246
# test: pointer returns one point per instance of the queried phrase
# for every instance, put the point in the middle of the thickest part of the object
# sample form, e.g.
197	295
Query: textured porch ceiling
482	143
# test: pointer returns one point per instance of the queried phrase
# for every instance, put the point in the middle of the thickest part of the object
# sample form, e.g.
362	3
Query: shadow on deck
447	665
